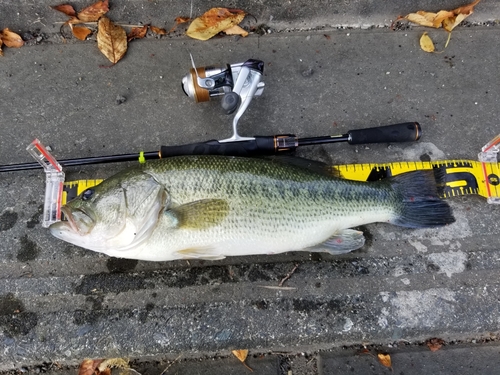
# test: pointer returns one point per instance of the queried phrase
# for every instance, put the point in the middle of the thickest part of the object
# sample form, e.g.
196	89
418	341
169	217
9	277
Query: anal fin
344	242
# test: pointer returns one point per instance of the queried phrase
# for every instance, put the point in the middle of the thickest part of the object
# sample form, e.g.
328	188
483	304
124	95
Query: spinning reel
238	84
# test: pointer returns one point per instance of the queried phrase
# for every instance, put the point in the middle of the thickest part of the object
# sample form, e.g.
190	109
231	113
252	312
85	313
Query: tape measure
73	189
463	177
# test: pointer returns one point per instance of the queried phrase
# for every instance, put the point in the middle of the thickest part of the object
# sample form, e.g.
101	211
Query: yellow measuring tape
463	177
73	189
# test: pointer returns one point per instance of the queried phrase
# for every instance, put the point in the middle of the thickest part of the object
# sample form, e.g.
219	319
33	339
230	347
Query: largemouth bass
210	207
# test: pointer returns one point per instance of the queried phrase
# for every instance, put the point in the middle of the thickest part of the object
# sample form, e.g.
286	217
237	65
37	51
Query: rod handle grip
261	145
405	132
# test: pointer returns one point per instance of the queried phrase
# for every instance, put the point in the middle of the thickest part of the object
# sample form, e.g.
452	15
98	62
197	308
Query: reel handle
404	132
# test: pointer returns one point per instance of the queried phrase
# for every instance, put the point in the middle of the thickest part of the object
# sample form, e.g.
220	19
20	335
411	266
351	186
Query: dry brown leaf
459	15
242	355
158	31
66	9
236	30
111	39
179	20
426	43
137	33
1	52
451	22
385	360
448	19
113	362
94	12
80	32
73	21
428	18
11	39
435	344
89	366
213	22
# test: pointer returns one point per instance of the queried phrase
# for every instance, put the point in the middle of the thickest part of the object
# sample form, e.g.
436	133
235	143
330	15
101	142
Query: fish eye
87	194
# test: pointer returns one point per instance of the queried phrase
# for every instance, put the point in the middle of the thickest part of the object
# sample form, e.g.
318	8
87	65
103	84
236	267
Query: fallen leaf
435	344
242	355
158	31
451	22
364	351
385	360
448	19
80	32
236	30
66	9
94	12
89	366
428	18
11	39
1	52
137	33
73	21
461	14
111	39
107	364
179	20
213	22
426	43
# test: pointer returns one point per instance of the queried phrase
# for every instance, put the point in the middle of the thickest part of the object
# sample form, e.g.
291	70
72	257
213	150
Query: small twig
170	364
288	275
248	367
134	371
277	287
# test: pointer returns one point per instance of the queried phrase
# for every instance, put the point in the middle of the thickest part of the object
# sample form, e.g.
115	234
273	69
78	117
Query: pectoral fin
200	214
344	242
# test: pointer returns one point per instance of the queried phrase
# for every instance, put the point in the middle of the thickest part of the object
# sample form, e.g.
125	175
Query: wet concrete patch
143	315
29	250
14	320
7	220
117	265
35	219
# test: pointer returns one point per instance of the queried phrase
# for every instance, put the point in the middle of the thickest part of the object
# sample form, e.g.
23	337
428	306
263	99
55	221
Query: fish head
118	214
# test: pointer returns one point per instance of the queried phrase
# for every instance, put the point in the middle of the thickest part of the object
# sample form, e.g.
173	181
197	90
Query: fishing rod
248	146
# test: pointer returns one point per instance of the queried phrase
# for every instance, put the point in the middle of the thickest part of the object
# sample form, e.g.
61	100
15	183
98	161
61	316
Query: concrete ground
60	304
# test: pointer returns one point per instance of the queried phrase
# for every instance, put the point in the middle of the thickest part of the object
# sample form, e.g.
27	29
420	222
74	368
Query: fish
210	207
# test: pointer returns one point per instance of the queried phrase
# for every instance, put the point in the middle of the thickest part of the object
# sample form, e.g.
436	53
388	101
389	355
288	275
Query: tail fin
420	205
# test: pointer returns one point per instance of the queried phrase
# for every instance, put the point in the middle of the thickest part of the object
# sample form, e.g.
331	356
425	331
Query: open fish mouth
70	219
78	220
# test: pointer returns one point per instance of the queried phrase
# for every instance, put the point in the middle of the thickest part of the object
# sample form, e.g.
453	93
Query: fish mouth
71	220
78	220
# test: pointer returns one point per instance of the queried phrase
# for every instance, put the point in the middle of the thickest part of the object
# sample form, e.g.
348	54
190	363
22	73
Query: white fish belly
249	238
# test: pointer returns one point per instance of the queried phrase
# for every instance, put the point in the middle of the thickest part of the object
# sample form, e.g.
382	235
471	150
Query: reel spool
195	91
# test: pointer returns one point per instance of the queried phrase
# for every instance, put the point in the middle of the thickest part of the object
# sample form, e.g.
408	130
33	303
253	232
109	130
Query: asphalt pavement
329	68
